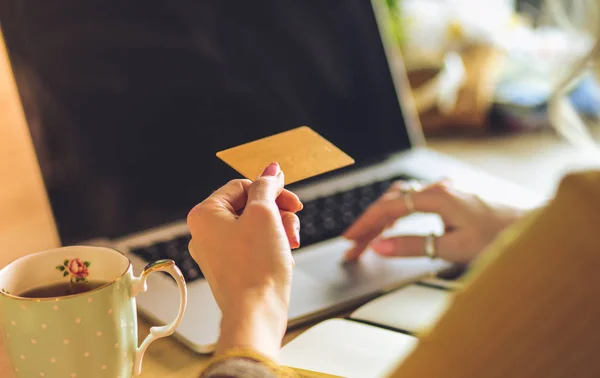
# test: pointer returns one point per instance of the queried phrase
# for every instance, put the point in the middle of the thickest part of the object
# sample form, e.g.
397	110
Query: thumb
268	186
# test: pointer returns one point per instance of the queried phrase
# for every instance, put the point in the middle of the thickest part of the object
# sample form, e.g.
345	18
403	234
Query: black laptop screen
128	102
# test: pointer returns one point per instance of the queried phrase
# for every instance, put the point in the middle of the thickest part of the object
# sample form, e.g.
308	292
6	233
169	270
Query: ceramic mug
87	335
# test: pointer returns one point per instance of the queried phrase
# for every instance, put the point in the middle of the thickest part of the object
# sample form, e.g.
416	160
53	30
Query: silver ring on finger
413	186
430	250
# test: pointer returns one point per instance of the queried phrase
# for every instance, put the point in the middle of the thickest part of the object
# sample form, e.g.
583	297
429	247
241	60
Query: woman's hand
242	236
470	223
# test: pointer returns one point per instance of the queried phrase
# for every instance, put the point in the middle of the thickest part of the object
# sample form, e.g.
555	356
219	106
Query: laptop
128	105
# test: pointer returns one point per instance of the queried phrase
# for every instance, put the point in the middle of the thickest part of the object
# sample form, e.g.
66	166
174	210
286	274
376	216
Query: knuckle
194	215
440	191
198	214
261	186
386	197
263	181
239	182
400	186
291	218
439	187
397	185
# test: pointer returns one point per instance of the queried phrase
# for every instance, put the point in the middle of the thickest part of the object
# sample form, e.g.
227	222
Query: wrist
257	321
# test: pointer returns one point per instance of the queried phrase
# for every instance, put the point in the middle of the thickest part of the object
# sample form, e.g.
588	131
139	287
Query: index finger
373	221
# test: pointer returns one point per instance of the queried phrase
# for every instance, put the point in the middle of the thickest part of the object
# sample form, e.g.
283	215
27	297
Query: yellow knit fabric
251	354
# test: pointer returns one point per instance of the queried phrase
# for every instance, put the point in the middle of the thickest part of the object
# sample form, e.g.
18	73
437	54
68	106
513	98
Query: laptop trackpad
322	280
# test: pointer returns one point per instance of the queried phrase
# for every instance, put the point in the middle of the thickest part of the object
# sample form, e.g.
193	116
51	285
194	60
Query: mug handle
138	285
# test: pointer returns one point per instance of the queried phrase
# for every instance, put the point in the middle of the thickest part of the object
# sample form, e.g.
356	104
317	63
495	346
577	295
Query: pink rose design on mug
77	269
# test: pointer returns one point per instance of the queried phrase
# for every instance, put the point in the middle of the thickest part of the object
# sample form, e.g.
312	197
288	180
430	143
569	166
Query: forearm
258	322
251	332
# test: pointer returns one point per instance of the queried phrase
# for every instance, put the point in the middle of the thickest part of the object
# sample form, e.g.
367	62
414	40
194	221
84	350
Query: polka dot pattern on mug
93	336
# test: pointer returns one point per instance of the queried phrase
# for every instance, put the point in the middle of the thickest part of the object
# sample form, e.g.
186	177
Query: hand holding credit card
301	153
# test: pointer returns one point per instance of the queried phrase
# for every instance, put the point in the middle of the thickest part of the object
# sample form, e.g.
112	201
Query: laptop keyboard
321	219
328	217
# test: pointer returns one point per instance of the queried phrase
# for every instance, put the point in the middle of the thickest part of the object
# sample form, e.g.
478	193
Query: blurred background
488	67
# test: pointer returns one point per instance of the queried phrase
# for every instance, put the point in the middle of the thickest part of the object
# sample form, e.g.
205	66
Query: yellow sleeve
531	306
245	362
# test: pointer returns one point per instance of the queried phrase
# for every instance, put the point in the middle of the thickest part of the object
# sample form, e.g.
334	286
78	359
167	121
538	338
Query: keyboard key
348	197
330	203
330	224
348	219
173	251
310	209
364	203
368	192
327	214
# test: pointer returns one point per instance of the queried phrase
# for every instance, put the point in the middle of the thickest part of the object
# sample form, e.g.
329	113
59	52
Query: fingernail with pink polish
271	170
297	236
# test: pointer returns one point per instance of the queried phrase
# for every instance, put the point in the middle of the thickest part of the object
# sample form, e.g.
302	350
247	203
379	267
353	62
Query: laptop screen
127	105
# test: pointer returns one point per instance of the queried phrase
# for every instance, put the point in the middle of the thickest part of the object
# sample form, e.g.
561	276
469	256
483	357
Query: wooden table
26	223
169	359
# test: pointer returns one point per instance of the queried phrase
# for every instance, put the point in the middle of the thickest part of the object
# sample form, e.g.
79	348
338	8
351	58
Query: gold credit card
301	153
